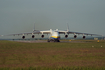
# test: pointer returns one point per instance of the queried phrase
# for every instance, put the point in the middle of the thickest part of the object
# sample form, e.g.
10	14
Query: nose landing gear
53	40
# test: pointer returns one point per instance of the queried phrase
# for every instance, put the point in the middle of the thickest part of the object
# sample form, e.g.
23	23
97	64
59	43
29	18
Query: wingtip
1	35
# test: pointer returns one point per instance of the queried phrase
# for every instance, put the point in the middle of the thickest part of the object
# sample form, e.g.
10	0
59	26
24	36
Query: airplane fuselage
54	36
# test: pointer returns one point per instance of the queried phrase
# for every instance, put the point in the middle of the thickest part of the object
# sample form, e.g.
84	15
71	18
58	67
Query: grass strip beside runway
83	55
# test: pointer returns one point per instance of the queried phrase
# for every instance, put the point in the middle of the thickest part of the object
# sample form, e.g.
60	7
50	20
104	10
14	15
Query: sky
17	16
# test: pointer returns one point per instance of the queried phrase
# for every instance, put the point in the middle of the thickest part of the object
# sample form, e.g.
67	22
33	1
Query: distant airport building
95	38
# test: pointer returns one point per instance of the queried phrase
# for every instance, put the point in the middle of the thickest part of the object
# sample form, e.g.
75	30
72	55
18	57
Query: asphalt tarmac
45	41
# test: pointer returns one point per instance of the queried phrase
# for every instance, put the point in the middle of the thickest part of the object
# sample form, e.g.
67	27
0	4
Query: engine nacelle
66	36
84	37
75	36
23	37
33	36
42	36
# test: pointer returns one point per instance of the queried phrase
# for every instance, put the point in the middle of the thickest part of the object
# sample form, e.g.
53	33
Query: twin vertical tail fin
34	28
67	27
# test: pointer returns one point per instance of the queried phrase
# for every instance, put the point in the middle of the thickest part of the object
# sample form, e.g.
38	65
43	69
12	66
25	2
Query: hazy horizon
17	16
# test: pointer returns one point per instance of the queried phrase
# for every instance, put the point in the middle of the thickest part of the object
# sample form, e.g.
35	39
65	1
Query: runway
45	41
33	41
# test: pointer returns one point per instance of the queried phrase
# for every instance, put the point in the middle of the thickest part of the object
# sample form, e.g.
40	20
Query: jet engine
84	37
42	36
75	36
66	36
23	36
33	36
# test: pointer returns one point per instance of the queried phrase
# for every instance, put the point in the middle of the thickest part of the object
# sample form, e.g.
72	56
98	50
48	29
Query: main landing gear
53	40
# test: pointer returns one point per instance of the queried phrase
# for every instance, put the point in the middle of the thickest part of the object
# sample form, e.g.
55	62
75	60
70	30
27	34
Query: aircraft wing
71	32
34	32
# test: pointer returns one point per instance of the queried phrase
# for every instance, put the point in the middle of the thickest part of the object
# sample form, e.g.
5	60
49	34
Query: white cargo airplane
54	35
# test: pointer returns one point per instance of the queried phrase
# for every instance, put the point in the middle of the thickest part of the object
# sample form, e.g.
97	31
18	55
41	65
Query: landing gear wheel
58	41
48	40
